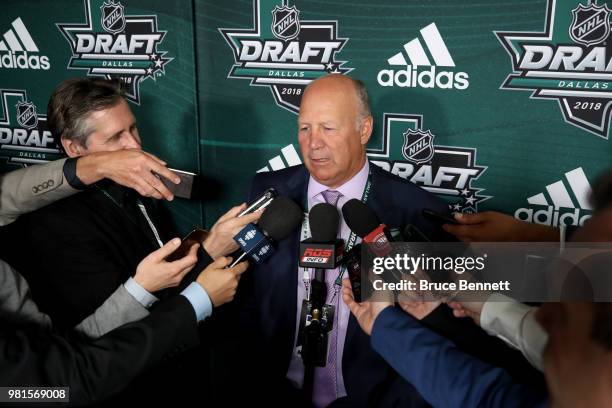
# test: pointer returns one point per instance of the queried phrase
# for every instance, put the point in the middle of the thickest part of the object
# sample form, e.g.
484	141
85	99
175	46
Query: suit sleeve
442	374
98	369
120	308
16	300
30	188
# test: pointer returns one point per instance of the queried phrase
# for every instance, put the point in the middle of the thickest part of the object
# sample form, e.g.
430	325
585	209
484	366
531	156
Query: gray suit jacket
26	190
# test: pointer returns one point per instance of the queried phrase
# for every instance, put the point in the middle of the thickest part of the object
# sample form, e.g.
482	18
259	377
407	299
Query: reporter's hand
493	226
221	283
419	309
467	309
131	168
366	312
220	240
153	273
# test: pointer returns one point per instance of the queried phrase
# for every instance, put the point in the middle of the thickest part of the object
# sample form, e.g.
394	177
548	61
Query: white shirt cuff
199	299
139	293
515	323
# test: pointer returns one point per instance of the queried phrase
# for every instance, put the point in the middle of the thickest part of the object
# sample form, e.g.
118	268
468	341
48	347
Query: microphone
257	242
377	239
323	250
362	220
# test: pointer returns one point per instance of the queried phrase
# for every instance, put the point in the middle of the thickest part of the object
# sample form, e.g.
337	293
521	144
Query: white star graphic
158	63
153	56
457	206
470	200
149	71
330	66
335	71
465	192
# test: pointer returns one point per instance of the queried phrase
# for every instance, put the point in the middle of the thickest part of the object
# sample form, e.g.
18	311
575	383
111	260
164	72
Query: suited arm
120	308
30	188
443	375
17	305
19	308
98	369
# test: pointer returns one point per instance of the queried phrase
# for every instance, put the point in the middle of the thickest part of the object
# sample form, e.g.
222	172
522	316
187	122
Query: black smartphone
185	188
194	237
438	218
260	203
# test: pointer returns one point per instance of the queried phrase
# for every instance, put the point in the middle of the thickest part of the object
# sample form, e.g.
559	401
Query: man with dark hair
34	355
80	249
85	246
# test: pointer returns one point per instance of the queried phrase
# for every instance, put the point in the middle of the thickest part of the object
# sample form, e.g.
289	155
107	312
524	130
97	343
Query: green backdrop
223	102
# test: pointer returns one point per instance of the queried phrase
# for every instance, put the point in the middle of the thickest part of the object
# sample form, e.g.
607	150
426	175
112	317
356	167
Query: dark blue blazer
268	293
444	375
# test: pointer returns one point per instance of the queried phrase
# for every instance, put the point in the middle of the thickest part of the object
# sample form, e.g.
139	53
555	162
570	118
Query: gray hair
364	101
74	100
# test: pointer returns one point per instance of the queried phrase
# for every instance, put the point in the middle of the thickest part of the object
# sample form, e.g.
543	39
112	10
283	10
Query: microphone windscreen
360	218
324	219
280	218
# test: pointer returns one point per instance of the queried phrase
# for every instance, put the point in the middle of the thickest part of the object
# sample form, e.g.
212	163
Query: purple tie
325	381
331	196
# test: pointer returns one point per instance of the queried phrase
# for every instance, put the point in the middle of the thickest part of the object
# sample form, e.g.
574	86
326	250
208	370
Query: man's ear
71	147
366	129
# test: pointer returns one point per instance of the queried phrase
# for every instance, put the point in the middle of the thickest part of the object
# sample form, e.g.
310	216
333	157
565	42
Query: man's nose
317	140
131	142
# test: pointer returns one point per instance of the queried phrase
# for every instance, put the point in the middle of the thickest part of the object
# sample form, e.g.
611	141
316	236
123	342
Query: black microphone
362	220
279	219
323	250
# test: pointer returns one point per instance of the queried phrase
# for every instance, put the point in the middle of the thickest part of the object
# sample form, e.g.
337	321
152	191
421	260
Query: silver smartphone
262	202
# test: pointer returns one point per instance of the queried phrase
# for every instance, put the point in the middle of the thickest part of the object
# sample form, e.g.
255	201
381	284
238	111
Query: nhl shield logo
590	24
26	115
112	18
418	146
285	22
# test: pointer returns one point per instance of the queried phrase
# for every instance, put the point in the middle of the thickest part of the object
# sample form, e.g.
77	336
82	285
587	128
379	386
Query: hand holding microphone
257	242
221	282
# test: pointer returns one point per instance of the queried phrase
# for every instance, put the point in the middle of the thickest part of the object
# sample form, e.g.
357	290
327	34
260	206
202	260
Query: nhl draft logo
568	62
449	171
111	44
26	115
285	22
283	52
113	18
24	137
418	146
590	24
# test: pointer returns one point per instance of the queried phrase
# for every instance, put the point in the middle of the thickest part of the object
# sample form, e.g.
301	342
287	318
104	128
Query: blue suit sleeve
443	374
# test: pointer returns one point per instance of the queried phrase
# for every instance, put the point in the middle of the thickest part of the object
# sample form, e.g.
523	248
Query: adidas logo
413	76
15	45
563	207
276	163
